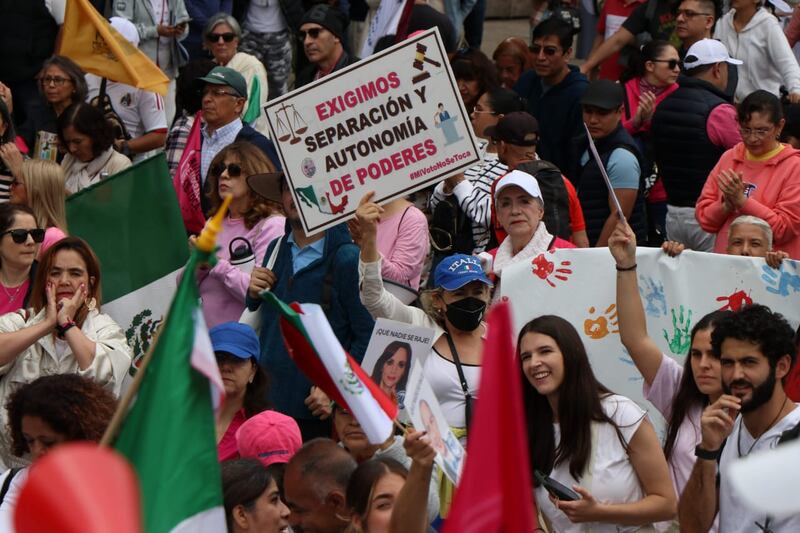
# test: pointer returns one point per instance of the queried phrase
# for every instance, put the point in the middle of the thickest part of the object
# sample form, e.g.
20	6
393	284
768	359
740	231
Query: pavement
497	30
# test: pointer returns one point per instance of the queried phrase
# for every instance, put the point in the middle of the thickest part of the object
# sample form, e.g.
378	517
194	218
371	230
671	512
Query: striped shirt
474	196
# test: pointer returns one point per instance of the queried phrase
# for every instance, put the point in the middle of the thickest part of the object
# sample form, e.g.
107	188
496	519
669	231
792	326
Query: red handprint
735	301
543	268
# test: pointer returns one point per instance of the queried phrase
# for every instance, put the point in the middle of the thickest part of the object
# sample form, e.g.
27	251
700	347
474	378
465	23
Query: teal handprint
681	324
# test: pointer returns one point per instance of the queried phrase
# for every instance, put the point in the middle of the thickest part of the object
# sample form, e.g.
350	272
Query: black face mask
466	314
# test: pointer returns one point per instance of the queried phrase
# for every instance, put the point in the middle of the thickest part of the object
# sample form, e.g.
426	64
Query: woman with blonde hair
251	220
40	186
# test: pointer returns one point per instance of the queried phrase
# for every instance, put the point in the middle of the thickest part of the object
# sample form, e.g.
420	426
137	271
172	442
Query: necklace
12	295
739	436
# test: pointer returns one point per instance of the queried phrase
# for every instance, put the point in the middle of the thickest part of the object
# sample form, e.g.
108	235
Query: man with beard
756	351
320	269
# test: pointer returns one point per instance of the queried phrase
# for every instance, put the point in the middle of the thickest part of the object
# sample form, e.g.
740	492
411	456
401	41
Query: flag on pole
494	493
317	352
186	180
133	223
169	434
88	39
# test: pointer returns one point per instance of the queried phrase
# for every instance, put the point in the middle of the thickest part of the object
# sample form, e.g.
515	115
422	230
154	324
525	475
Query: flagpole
602	167
206	243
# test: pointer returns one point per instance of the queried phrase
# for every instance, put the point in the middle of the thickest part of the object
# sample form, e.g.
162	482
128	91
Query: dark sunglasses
548	50
227	37
313	33
672	64
21	235
234	170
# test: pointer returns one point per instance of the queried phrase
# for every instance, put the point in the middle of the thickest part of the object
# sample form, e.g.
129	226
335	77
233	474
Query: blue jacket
350	321
559	114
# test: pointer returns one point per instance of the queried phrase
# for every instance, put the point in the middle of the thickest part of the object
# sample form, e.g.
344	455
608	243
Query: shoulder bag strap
7	483
460	370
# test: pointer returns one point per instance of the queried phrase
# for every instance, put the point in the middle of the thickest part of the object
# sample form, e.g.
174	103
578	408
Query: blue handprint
780	281
653	293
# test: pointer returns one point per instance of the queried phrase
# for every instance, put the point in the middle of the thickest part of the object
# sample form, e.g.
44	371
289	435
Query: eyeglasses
672	64
313	33
21	235
218	93
58	81
689	14
234	170
548	50
228	36
758	133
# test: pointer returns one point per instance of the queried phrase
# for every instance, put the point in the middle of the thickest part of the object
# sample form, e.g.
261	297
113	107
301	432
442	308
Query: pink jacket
632	93
773	191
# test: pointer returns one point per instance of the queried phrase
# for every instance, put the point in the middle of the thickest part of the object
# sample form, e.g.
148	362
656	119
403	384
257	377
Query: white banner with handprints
392	123
580	286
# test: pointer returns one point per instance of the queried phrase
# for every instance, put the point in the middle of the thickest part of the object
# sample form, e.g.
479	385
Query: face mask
466	314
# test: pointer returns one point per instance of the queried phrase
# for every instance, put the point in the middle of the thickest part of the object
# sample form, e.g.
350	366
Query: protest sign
391	350
393	123
426	414
580	286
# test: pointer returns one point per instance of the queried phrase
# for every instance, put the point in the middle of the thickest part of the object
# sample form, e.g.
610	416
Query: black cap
603	94
329	18
518	128
267	185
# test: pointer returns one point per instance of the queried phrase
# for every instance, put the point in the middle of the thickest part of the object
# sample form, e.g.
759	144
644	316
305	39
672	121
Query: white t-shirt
442	375
734	514
265	16
57	9
612	478
10	499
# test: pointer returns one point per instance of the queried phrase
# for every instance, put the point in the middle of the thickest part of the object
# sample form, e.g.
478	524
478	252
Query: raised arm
410	512
609	47
632	324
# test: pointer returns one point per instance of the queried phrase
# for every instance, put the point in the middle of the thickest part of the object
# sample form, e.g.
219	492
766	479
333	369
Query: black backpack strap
461	377
7	483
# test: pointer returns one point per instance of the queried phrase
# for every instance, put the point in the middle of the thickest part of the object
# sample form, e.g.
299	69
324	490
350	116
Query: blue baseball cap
236	339
457	270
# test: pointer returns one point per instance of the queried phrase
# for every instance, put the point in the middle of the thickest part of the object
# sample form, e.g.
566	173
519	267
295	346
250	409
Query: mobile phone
556	489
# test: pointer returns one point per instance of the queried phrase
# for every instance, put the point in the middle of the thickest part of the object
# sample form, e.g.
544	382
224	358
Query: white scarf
538	244
81	175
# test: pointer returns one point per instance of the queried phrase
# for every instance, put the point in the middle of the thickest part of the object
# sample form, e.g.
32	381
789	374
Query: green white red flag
317	352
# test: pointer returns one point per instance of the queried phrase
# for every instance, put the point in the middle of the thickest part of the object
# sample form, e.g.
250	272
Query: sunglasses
234	170
313	33
672	64
215	37
548	50
21	235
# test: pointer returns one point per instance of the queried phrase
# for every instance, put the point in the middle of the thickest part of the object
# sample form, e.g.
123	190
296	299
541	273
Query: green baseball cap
226	76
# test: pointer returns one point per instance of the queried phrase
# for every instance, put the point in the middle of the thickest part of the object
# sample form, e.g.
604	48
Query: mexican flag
133	223
317	352
169	434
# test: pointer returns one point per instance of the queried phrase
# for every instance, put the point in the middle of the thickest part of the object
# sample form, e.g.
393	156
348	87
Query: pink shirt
661	393
11	299
224	288
722	126
403	242
226	448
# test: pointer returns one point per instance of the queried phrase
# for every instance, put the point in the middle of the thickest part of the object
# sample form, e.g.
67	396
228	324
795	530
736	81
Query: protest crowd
656	132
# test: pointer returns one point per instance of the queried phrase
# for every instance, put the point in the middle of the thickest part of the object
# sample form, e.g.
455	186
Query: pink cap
270	437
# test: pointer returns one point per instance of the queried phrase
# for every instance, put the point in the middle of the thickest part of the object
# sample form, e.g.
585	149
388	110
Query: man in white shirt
756	350
142	121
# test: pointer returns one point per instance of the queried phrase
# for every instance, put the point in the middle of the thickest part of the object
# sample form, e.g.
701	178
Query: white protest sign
580	286
393	347
426	414
392	123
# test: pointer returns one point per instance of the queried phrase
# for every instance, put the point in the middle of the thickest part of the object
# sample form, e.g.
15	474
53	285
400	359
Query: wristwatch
61	329
708	455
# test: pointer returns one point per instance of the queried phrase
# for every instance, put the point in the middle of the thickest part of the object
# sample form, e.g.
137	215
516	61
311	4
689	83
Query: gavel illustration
419	59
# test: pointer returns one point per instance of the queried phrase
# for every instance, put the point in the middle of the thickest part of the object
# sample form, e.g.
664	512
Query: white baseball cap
125	28
523	180
707	52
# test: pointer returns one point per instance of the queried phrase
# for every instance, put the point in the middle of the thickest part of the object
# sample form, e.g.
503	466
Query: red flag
495	492
187	180
79	488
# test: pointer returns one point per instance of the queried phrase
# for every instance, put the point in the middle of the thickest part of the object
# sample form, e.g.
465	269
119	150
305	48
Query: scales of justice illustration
290	127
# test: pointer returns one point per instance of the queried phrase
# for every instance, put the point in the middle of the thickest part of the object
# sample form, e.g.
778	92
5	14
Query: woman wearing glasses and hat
61	330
